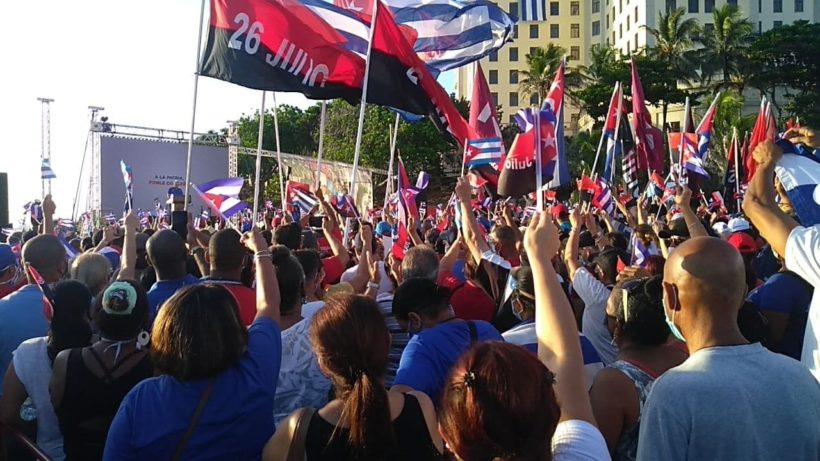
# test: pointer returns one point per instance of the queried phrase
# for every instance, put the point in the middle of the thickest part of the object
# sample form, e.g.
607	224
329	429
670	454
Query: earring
142	339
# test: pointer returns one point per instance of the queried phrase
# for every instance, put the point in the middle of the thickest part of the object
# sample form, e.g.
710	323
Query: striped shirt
398	337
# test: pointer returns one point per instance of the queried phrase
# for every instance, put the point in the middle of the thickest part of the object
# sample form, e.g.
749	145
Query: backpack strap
289	445
473	332
206	395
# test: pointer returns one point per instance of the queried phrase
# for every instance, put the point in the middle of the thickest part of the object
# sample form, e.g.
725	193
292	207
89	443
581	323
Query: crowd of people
514	338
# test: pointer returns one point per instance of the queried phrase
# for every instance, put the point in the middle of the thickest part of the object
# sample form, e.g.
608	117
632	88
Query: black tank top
89	403
413	440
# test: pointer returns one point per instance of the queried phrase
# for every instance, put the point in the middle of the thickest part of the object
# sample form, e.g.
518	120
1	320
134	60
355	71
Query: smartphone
315	221
179	223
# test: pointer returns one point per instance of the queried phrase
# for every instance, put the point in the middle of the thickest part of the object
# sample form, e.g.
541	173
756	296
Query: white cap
738	224
721	229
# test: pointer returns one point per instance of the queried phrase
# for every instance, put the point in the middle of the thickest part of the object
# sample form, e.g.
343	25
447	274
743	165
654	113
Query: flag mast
278	152
321	145
394	138
193	106
258	158
736	148
683	140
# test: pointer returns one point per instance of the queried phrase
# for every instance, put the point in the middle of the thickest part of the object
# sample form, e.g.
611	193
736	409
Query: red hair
499	404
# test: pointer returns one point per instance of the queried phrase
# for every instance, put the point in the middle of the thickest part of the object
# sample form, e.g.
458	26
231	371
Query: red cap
743	242
558	209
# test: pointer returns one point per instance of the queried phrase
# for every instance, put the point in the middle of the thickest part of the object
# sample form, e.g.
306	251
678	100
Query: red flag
48	306
648	139
483	118
586	184
760	133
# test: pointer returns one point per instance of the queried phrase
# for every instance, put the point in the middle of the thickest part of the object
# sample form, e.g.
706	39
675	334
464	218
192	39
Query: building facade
577	25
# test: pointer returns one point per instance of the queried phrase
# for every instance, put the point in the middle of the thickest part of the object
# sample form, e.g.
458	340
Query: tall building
577	25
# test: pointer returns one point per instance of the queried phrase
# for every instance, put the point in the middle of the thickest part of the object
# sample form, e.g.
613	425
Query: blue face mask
565	227
671	323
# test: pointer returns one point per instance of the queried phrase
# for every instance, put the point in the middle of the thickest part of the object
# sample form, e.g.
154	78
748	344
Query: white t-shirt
311	308
595	295
802	250
385	285
33	368
577	440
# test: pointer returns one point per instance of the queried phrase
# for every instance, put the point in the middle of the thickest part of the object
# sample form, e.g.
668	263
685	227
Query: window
607	20
759	27
493	77
554	9
731	2
628	47
708	28
778	24
613	37
574	9
574	119
494	97
513	54
693	6
621	30
798	6
759	6
778	6
671	5
636	41
534	99
513	76
574	30
493	56
515	31
575	53
674	127
596	6
596	28
532	50
708	6
628	24
513	98
514	9
533	30
621	5
553	30
636	15
512	120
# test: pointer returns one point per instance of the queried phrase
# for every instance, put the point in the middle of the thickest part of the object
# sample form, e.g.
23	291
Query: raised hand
575	217
464	191
132	223
49	207
541	239
767	153
802	135
254	240
683	196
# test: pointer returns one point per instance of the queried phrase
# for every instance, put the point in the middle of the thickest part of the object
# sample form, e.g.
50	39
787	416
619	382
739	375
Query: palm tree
542	64
674	42
726	46
601	58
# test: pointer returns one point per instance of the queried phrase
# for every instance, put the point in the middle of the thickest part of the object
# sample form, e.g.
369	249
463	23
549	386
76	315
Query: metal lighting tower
93	111
45	137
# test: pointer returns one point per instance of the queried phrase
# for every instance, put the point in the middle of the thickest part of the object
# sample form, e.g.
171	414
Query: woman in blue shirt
213	398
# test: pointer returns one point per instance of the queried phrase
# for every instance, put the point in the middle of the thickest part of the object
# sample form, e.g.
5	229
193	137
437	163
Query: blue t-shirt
788	294
162	290
21	318
429	355
237	420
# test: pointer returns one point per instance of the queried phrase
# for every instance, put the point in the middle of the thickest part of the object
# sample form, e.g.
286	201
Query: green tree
674	42
542	64
725	48
594	90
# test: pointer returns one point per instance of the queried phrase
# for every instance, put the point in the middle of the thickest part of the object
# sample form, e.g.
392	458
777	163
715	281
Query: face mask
671	323
565	227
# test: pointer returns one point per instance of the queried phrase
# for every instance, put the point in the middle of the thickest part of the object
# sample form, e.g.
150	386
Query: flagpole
393	141
539	194
259	138
684	128
617	130
363	105
193	105
278	152
736	147
321	144
603	132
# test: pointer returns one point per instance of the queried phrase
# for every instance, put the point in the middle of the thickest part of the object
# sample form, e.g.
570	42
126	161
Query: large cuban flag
222	195
799	172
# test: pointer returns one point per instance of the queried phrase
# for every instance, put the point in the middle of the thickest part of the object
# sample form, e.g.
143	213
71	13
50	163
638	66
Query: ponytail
366	413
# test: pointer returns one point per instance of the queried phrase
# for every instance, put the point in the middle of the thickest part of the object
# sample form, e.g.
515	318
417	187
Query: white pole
683	139
539	194
321	144
603	132
193	105
278	152
393	141
258	158
363	105
617	129
464	158
736	147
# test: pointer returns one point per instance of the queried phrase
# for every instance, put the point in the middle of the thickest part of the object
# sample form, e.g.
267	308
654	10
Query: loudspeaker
4	199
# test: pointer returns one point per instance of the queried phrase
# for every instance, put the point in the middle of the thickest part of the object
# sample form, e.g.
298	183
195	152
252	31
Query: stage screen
156	166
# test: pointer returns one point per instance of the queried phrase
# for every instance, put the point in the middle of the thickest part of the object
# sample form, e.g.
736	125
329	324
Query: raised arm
362	275
759	204
109	235
128	264
506	214
641	210
336	245
413	233
683	199
449	259
267	286
571	253
475	241
48	215
558	345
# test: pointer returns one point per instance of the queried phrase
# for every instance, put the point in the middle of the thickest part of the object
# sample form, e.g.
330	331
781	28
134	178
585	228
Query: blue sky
136	59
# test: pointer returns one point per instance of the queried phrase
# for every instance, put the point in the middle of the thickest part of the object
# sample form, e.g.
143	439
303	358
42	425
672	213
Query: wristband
373	285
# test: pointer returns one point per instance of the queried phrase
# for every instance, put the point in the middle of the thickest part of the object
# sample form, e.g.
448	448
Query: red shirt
468	300
244	296
333	270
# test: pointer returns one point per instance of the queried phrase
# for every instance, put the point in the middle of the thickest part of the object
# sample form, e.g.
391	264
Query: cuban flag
35	210
799	172
553	105
222	195
602	197
45	170
70	252
485	151
704	129
640	253
611	129
300	196
655	186
66	224
110	218
533	10
343	204
128	180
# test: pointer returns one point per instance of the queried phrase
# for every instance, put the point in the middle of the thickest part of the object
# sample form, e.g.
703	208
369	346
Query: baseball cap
585	239
721	229
7	257
383	228
738	225
678	228
558	209
743	242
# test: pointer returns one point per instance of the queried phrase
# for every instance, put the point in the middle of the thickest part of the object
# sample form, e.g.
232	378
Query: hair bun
279	254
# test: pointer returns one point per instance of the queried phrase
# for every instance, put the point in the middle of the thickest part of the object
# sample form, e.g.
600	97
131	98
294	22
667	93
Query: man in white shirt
800	246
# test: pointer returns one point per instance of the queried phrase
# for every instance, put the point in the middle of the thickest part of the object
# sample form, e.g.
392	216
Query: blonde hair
93	269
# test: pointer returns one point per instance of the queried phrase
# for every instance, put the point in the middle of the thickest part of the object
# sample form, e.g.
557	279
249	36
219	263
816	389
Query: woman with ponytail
364	421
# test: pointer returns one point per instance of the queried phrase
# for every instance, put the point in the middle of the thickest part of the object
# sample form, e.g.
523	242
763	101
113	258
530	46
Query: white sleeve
802	250
577	440
588	288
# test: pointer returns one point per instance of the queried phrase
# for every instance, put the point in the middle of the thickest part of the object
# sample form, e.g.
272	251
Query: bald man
730	400
167	253
21	312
